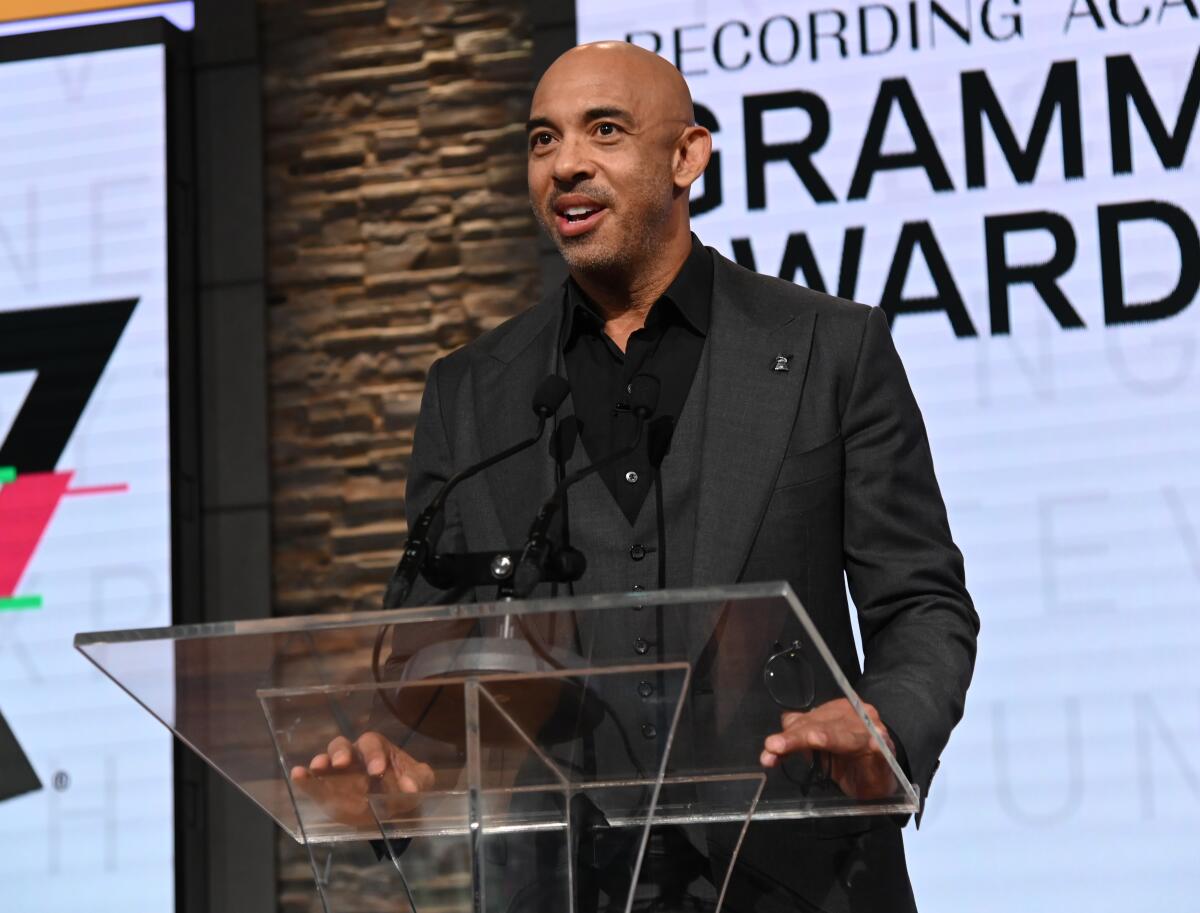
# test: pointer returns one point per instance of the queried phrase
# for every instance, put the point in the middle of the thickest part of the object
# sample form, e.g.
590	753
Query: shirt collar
690	294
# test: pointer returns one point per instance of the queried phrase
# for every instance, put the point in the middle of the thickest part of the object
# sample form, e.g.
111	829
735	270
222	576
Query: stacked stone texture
398	229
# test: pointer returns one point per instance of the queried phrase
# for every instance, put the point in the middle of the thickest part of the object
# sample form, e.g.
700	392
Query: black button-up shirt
667	347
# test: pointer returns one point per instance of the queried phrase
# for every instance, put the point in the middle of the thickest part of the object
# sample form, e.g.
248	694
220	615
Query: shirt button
645	689
648	731
640	646
631	477
637	552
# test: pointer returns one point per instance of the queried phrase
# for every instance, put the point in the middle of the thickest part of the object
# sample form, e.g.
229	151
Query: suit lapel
504	388
748	417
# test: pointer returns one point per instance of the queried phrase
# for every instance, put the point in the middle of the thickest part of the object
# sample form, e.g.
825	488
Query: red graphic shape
119	488
26	508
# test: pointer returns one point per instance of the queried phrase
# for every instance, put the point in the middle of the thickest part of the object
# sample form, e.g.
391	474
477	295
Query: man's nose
572	162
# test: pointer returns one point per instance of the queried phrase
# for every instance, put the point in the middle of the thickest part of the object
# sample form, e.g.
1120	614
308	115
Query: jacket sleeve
905	573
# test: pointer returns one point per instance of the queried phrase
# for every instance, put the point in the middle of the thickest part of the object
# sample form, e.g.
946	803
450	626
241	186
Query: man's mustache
596	194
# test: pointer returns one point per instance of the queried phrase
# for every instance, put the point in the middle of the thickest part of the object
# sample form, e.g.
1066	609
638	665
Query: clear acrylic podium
589	753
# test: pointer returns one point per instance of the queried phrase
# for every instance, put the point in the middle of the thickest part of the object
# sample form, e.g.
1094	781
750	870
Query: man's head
613	152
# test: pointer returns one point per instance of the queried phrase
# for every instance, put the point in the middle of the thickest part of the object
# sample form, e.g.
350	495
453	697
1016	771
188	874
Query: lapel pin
782	363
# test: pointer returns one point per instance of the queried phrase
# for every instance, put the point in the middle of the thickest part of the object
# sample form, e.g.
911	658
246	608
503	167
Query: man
794	451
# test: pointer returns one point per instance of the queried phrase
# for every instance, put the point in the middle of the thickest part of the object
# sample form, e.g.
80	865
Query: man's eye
541	139
607	129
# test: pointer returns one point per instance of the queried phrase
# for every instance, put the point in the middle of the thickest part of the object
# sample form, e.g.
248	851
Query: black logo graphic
68	346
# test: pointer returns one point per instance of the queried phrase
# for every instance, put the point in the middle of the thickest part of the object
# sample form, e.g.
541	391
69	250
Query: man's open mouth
577	218
579	213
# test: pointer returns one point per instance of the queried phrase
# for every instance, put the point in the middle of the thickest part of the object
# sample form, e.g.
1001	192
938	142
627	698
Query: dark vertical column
554	32
226	851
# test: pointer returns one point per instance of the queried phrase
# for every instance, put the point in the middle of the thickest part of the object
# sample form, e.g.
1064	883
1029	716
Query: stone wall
398	229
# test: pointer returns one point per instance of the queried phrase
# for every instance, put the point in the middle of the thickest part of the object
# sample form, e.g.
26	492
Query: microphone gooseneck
643	400
548	396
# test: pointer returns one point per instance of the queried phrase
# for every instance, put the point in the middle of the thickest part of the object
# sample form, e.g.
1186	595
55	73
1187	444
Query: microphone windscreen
643	395
549	395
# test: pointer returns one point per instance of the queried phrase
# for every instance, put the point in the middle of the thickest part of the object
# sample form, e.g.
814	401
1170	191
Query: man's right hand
341	778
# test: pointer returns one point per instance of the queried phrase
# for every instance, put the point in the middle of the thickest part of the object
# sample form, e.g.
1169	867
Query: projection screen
85	482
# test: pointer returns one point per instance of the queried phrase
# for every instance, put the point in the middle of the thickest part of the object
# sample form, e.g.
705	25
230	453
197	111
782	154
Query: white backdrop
1067	454
83	219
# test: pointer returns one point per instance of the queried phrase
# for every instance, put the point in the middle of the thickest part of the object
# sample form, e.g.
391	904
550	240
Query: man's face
600	166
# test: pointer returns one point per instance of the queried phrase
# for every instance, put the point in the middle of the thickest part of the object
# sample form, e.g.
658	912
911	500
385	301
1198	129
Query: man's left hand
856	763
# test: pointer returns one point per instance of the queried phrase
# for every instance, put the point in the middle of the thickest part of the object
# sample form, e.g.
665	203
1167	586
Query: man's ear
692	152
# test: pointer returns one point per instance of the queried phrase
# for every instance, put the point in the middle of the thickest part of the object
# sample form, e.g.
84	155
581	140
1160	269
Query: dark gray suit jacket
806	476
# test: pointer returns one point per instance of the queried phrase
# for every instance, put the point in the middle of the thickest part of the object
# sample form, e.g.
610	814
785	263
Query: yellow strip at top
13	10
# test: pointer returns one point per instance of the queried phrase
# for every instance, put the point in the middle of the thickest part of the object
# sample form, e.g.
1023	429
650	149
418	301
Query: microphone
643	400
548	396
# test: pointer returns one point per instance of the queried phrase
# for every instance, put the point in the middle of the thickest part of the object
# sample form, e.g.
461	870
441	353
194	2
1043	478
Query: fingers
342	779
340	754
834	727
374	750
379	755
832	738
812	737
373	753
337	756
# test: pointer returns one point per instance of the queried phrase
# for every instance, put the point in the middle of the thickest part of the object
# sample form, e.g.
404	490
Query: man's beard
588	255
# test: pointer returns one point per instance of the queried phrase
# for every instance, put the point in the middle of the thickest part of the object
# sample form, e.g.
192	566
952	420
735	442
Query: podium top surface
416	615
654	704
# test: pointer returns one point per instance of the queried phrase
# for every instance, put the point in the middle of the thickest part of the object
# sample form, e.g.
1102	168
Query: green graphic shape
8	474
19	603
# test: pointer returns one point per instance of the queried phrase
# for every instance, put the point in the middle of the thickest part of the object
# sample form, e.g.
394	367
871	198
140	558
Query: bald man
788	447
